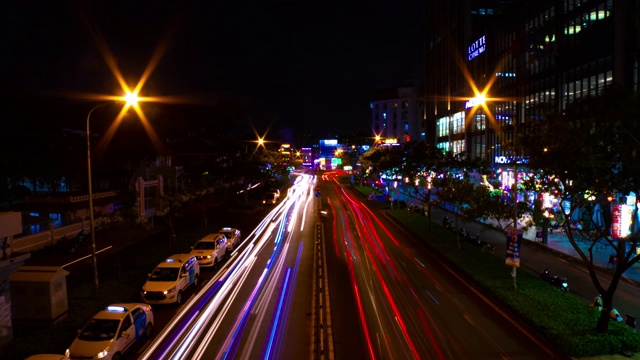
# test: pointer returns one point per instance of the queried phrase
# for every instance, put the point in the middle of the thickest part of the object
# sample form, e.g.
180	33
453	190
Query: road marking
88	256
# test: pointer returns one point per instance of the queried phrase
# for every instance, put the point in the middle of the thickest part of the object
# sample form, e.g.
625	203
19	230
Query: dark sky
310	66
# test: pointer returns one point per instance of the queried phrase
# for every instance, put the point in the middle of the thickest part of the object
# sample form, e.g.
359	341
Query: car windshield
228	234
164	274
205	245
99	330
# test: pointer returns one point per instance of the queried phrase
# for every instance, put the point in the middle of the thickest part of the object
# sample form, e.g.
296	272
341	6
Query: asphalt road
407	303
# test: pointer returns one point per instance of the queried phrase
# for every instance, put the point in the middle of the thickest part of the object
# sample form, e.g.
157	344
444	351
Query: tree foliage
589	156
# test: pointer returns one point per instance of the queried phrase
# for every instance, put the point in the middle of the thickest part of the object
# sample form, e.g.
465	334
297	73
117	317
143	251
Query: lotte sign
476	48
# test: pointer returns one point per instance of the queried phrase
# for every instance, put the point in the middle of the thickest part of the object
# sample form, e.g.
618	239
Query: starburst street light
131	98
131	101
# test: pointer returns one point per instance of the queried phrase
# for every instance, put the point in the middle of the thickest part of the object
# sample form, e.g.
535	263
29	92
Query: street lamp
258	142
130	99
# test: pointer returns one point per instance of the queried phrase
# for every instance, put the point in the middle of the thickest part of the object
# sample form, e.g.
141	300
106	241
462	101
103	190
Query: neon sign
511	159
472	103
477	47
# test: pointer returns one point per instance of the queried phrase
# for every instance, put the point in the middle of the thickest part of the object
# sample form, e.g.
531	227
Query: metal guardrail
68	199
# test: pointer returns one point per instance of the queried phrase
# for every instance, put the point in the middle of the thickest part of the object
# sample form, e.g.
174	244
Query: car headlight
102	353
209	256
172	290
67	353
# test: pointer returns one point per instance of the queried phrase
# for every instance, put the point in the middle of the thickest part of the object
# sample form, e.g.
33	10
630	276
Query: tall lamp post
130	99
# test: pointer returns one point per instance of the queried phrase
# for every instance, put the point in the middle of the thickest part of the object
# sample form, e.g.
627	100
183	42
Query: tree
600	162
486	203
169	208
381	161
454	192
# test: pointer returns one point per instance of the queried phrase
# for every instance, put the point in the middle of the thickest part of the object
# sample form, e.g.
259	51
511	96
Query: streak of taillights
363	319
374	242
334	229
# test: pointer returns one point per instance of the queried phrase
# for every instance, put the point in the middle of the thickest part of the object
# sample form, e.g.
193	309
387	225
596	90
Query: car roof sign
116	308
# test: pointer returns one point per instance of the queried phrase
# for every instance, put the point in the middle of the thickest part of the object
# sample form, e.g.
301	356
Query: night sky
308	66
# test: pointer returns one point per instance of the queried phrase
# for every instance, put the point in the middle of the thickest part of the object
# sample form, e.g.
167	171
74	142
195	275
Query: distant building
306	154
398	114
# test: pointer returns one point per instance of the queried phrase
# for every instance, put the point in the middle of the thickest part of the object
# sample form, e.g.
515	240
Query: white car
112	331
233	236
210	250
169	280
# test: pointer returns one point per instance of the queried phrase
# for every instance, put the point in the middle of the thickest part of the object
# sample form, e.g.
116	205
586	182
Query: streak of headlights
189	323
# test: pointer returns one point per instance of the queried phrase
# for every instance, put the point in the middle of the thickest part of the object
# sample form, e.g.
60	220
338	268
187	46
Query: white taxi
168	281
233	237
211	250
112	331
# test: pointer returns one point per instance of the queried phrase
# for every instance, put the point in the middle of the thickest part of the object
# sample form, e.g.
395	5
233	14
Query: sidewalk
557	241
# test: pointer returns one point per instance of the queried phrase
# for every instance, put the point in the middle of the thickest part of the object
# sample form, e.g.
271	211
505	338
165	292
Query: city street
405	299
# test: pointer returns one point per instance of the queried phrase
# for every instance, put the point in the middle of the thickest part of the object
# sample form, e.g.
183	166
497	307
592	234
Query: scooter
613	314
447	223
556	281
475	240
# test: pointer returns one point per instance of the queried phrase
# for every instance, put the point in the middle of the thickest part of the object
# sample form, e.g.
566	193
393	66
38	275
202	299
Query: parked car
210	250
112	331
269	198
168	281
233	237
275	192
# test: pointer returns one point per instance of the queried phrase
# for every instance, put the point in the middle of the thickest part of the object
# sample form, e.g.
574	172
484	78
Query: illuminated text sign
476	48
511	159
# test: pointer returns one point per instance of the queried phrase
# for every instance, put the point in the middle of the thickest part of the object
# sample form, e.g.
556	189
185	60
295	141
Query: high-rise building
528	58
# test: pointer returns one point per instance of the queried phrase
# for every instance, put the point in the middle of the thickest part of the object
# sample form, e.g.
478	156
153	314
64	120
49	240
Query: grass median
560	317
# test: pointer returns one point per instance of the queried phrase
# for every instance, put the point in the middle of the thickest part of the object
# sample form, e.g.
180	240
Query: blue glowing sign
477	47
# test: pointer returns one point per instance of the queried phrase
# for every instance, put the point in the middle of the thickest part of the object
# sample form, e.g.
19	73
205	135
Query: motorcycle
77	242
556	281
475	240
613	314
447	223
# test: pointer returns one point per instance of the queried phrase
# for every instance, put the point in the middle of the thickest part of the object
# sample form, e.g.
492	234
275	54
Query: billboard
514	240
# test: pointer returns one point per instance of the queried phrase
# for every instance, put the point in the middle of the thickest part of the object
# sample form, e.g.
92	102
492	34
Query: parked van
169	280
